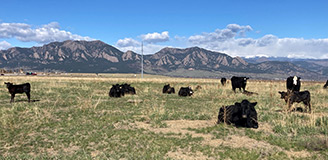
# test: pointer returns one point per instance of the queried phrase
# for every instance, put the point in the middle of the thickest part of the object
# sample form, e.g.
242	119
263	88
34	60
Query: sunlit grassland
75	118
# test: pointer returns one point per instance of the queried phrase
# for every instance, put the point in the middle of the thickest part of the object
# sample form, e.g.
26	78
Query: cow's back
20	88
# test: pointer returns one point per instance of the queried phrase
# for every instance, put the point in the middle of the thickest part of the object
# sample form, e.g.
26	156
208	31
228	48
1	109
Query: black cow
116	91
185	91
296	96
127	89
223	81
293	83
241	114
238	82
21	88
326	85
168	89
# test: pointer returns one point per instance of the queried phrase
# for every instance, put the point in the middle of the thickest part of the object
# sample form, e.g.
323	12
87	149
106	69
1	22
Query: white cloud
220	35
135	46
149	43
147	48
4	45
45	34
156	37
127	42
227	41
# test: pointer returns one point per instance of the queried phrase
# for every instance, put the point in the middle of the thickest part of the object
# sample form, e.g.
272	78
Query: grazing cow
241	114
326	85
249	93
116	91
168	89
127	89
293	83
223	81
238	82
21	88
185	91
296	96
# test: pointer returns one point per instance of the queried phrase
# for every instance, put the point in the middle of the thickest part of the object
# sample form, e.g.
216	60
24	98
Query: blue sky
258	27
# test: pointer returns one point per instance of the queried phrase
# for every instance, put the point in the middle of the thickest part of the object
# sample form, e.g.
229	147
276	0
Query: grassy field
74	118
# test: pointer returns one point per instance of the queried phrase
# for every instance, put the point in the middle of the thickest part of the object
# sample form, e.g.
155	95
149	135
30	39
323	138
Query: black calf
116	91
185	91
21	88
241	114
291	97
127	89
168	89
223	81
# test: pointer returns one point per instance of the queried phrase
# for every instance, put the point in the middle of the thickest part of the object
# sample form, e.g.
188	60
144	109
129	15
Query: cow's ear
254	104
280	92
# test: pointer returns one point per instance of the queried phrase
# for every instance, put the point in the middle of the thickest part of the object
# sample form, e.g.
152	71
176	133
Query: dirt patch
297	154
233	141
177	126
135	101
186	155
265	128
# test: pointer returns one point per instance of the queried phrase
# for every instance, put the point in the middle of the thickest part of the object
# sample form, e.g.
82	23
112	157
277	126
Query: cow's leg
28	96
308	106
289	105
234	89
12	98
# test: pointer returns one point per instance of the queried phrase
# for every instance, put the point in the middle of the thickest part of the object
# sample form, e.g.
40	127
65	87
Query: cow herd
241	114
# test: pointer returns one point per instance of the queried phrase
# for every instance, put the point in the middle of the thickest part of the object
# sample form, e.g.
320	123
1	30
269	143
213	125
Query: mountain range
99	57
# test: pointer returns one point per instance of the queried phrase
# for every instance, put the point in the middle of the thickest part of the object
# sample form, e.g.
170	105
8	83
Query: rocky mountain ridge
99	57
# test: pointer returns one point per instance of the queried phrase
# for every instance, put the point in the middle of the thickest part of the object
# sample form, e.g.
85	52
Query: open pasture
74	118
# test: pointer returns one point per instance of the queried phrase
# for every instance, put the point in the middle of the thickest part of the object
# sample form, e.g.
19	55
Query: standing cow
223	81
326	85
21	88
293	83
241	114
238	82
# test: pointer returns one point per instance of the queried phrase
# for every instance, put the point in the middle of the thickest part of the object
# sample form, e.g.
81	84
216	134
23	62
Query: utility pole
142	59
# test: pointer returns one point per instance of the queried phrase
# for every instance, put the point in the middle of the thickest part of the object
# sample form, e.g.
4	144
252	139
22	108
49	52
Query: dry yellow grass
74	111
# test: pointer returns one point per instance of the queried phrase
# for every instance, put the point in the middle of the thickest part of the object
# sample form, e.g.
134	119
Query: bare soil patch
186	155
233	141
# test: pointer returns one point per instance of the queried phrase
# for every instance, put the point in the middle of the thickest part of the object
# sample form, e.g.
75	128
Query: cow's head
8	84
190	90
245	79
247	107
283	95
249	113
117	88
